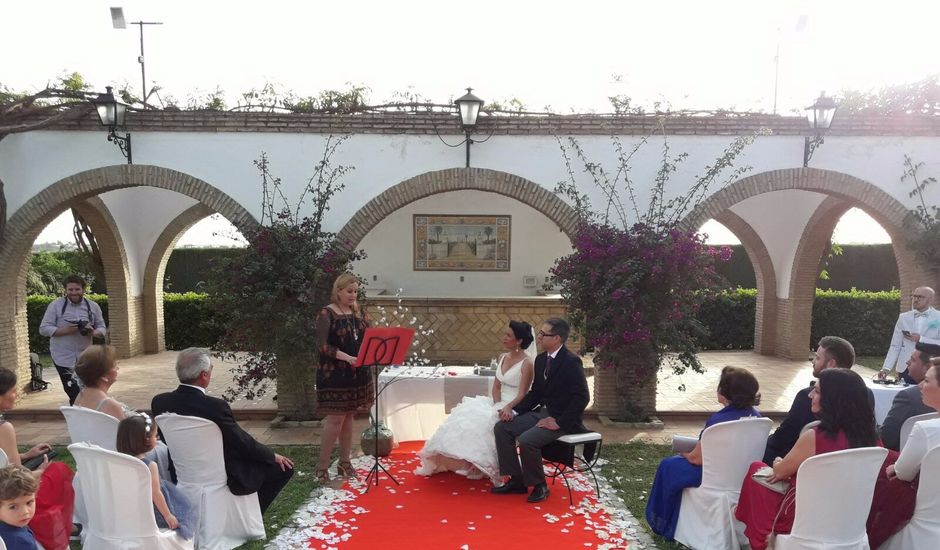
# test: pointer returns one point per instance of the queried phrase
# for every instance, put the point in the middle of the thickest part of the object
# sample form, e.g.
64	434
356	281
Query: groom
551	409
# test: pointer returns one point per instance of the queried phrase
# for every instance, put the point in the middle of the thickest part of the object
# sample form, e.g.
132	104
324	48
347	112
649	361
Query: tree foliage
921	97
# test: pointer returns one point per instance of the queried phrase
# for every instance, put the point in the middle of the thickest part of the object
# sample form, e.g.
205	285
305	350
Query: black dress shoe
539	493
510	488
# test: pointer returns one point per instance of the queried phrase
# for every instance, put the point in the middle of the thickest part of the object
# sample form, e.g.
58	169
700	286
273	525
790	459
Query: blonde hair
340	283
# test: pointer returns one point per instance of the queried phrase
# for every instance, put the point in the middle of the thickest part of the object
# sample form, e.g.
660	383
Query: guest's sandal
323	475
346	469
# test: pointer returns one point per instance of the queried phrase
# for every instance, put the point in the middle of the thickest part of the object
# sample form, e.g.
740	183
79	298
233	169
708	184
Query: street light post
820	115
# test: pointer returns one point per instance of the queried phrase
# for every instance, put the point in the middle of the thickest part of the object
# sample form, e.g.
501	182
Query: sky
565	56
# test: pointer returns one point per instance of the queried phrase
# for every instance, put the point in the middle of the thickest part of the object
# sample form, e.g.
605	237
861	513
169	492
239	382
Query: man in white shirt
921	324
70	323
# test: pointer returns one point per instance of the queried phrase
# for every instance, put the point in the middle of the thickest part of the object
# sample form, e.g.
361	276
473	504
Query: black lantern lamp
820	115
469	106
112	115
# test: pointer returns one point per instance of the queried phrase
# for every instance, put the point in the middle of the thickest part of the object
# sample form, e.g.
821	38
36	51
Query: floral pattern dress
341	388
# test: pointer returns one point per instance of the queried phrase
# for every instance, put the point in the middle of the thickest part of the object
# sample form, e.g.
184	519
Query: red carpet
449	511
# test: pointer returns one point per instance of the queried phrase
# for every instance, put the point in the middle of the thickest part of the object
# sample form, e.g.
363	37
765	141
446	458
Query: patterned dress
341	388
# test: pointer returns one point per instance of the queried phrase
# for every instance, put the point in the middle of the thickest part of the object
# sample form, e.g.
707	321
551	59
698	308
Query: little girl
136	436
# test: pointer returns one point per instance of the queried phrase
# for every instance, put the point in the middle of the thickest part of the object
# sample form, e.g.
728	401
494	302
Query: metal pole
469	141
143	76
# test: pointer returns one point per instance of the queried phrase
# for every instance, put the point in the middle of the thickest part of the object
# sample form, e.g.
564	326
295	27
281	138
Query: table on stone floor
884	396
414	401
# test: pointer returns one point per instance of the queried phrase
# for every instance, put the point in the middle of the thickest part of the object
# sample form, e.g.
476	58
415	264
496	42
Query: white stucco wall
34	160
535	243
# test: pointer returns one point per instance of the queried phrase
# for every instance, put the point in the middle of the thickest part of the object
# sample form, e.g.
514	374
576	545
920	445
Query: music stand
382	347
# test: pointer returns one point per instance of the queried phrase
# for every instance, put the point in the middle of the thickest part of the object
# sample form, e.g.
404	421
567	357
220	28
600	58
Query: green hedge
36	307
864	318
729	318
189	320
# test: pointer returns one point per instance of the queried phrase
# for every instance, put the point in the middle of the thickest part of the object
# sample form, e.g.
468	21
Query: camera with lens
82	325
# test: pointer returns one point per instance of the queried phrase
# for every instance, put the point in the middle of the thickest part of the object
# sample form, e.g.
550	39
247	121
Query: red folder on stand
384	346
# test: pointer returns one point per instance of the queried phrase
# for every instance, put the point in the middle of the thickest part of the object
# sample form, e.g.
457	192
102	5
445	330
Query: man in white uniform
921	324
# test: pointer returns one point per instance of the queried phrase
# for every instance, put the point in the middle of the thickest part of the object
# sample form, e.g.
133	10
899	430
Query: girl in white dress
464	443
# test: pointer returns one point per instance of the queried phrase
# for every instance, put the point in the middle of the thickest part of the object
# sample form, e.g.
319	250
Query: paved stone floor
37	418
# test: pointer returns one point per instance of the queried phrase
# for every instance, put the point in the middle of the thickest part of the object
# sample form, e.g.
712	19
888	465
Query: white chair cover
89	426
4	459
923	531
225	520
728	449
120	504
909	425
833	498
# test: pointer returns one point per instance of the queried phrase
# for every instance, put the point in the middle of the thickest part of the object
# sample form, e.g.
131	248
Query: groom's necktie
548	365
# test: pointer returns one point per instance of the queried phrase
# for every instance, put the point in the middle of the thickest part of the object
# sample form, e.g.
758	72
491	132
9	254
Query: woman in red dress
840	400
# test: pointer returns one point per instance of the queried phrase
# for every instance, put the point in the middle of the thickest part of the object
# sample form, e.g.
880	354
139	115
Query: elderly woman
840	400
52	522
97	368
738	392
895	494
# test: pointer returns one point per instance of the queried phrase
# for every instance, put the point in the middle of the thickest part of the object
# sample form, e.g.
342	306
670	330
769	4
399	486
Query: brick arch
122	320
27	222
458	179
793	314
154	333
765	275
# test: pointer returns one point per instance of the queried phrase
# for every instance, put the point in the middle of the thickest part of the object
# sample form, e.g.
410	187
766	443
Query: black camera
82	327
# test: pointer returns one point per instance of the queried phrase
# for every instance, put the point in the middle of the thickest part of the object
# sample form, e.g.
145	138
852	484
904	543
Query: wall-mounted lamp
112	114
820	116
469	106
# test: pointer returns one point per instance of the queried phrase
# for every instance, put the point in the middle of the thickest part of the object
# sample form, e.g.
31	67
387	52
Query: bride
464	443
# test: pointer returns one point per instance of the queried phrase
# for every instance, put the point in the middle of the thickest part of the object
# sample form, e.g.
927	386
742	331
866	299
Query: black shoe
539	493
510	488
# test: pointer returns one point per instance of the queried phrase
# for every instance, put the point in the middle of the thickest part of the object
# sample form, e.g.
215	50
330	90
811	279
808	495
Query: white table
884	396
414	401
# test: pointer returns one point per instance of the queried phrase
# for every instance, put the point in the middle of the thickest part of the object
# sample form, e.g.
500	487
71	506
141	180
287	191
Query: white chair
909	425
923	531
833	498
728	449
225	520
809	426
90	426
4	460
119	501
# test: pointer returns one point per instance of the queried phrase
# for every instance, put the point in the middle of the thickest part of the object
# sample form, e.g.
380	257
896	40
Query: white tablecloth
414	401
884	396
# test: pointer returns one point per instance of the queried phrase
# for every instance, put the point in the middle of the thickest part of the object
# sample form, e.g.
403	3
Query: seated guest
18	490
52	522
907	402
250	466
831	352
847	421
893	503
97	368
737	391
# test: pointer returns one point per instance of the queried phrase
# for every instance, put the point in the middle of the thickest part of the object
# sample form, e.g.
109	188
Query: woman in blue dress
738	392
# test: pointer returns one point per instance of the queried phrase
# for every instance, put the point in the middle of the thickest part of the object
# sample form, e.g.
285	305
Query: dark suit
249	465
801	413
907	403
563	395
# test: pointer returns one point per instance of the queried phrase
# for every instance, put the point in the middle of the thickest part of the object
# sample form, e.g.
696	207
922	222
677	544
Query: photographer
70	322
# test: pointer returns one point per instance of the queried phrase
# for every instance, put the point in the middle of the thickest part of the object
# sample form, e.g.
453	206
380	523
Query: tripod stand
381	347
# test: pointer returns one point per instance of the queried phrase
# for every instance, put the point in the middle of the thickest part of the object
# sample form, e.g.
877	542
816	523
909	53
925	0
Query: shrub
189	320
864	318
729	318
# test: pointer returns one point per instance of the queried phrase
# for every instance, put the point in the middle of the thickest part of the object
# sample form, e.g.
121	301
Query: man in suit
832	352
250	466
921	324
908	402
551	409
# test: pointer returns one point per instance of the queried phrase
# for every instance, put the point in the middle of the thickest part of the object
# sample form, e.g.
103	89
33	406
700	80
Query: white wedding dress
465	443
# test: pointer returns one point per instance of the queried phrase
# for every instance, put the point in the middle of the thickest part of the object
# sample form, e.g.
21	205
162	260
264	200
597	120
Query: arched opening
27	222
